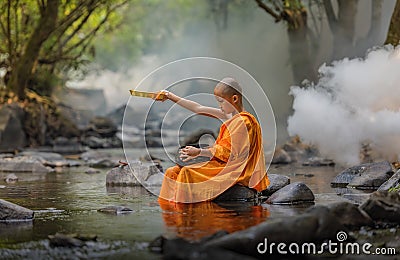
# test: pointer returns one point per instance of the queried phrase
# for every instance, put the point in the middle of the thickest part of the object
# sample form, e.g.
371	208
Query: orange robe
238	158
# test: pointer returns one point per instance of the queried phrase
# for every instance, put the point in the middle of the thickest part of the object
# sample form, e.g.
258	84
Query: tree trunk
343	43
299	47
23	68
393	36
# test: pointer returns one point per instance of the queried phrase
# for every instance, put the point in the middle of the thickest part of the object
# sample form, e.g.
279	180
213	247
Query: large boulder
383	206
367	176
23	164
313	226
237	193
393	182
277	182
349	215
294	193
13	212
101	127
12	134
140	174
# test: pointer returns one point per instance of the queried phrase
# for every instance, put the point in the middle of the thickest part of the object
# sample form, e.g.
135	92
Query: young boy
237	156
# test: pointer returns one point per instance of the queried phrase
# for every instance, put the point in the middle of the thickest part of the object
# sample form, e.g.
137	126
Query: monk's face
225	102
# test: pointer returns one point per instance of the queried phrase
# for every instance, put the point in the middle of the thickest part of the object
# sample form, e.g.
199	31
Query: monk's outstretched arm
194	106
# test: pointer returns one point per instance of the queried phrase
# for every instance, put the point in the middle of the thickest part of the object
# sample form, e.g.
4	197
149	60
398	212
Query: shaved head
229	87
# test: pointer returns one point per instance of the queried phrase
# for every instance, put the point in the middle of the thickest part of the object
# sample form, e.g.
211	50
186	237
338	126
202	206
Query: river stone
373	179
237	193
47	158
102	163
65	145
364	175
313	226
277	182
92	171
294	193
101	127
123	176
11	178
62	240
281	157
12	134
393	182
23	164
356	198
318	161
13	212
115	210
349	215
383	206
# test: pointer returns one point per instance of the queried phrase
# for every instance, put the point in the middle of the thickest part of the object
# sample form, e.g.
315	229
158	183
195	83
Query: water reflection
195	221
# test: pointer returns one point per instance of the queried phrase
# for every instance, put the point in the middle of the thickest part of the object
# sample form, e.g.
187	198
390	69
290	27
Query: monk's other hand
189	152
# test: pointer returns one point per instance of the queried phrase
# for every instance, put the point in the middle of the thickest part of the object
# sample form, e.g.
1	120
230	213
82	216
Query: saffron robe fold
238	158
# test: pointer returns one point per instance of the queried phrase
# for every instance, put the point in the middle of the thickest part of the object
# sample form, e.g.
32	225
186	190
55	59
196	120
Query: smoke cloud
355	101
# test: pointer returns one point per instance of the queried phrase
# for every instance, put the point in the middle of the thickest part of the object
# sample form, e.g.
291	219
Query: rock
117	115
201	136
62	240
94	142
356	198
94	155
64	145
281	157
101	127
102	163
372	179
115	210
349	215
313	226
318	161
277	182
23	164
13	212
47	158
237	193
383	206
11	178
12	134
121	176
294	193
393	182
179	248
91	171
140	174
368	175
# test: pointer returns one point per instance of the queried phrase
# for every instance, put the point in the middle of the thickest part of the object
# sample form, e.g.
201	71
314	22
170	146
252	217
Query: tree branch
267	9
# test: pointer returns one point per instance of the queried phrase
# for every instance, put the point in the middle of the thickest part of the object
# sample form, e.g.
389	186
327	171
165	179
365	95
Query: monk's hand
188	153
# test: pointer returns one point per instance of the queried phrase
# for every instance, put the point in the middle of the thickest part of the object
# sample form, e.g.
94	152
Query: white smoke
355	101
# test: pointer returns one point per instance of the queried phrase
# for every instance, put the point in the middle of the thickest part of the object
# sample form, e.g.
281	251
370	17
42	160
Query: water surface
68	201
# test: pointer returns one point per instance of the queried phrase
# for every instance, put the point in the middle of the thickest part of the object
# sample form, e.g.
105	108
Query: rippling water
67	202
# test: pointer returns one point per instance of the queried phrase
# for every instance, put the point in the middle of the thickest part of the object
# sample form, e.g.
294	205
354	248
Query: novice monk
237	156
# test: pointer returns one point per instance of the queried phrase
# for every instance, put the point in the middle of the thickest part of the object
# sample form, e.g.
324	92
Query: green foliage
395	189
69	44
